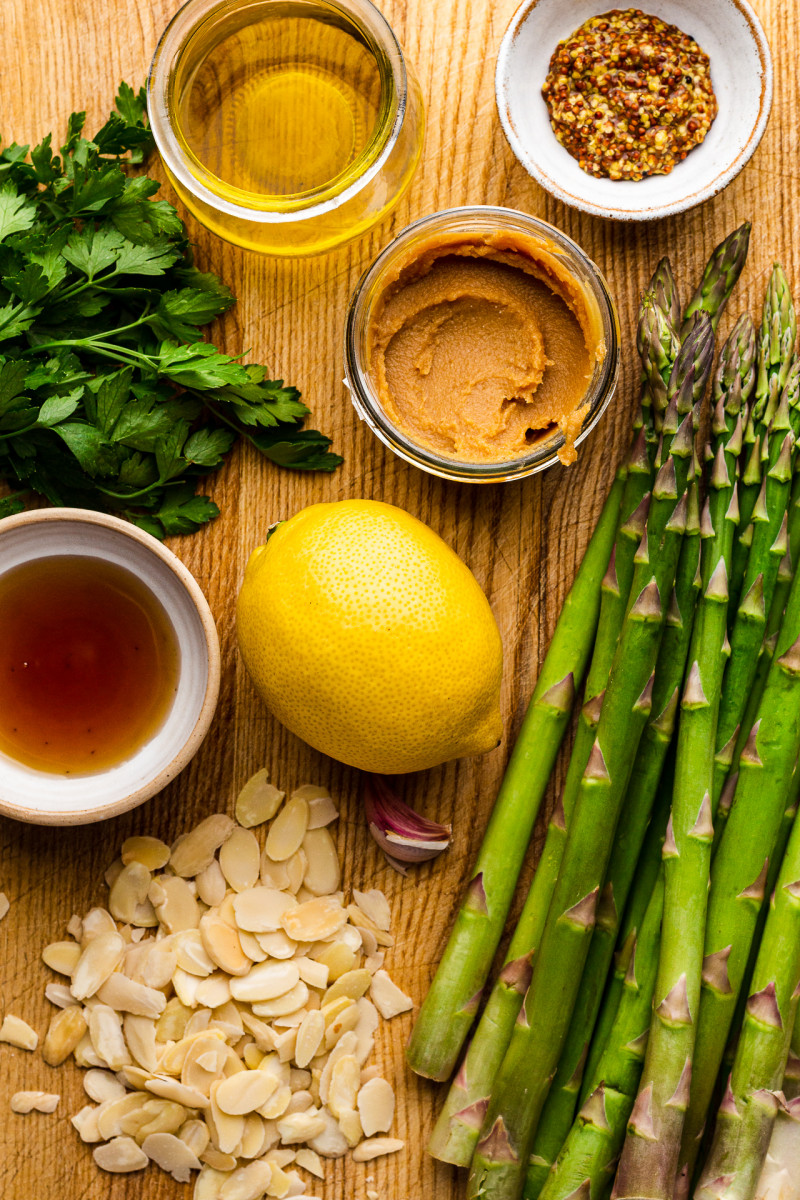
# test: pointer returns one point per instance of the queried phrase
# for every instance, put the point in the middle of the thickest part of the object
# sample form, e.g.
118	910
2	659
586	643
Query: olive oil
282	106
88	664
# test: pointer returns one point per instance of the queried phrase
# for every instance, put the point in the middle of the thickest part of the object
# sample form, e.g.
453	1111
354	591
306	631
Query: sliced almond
274	874
288	829
102	956
323	873
331	1143
75	927
226	1129
337	957
289	1002
85	1122
315	919
126	995
344	1084
171	1089
252	947
140	1038
194	1134
85	1054
277	1104
214	991
62	957
120	1156
321	812
59	994
261	1032
277	944
265	981
113	1112
309	1160
376	907
172	1155
64	1032
175	903
208	1185
360	920
296	868
387	996
247	1183
253	1138
102	1085
376	1106
350	1125
157	964
150	851
353	985
222	944
258	801
191	954
239	859
309	1037
105	1030
376	1147
262	909
129	891
243	1093
211	886
301	1127
171	1024
26	1102
195	852
96	921
163	1116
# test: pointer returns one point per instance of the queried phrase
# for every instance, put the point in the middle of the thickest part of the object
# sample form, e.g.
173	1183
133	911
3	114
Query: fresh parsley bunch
108	397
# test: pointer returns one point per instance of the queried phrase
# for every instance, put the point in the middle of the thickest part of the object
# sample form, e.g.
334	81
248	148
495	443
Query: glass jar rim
177	36
359	383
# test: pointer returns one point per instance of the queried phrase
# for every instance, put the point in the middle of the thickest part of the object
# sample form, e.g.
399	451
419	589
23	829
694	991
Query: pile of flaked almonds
225	1005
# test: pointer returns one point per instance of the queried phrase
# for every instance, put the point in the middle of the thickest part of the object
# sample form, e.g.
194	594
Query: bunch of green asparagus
638	1035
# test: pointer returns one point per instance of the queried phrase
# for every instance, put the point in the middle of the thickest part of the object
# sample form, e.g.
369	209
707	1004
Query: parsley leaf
108	396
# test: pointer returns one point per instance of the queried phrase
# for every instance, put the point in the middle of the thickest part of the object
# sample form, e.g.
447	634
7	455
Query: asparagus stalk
647	871
650	1155
500	1160
719	277
732	383
456	1132
450	1006
767	551
747	1113
589	1154
775	348
780	1174
739	875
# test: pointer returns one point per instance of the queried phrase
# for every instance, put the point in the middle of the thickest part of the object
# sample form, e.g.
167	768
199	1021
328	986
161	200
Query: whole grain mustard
629	95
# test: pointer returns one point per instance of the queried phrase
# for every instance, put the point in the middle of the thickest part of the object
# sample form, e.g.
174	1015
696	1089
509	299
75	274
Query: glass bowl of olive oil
286	126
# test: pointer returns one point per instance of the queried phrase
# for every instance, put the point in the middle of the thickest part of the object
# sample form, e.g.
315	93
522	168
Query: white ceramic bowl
741	71
50	799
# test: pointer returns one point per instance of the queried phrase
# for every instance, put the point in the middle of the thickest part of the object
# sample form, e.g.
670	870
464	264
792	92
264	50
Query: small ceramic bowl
45	798
741	72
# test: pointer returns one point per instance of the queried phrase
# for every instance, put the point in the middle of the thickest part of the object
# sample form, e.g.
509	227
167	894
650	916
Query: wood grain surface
522	540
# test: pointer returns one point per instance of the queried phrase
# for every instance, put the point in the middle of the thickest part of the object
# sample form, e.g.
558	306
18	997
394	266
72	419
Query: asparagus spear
732	384
450	1006
590	1151
780	1174
740	869
650	1155
747	1113
719	277
647	870
500	1159
775	348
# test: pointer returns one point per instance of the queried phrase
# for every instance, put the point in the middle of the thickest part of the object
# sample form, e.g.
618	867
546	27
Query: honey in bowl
88	664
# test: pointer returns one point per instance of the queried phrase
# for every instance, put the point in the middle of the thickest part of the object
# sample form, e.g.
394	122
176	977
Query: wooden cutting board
522	540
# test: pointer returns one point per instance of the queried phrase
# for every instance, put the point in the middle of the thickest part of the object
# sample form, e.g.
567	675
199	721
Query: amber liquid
282	106
88	664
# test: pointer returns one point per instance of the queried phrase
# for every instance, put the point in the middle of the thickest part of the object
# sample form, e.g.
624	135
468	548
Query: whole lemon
370	639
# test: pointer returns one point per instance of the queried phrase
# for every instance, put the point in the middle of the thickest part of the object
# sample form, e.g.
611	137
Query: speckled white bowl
45	798
741	71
